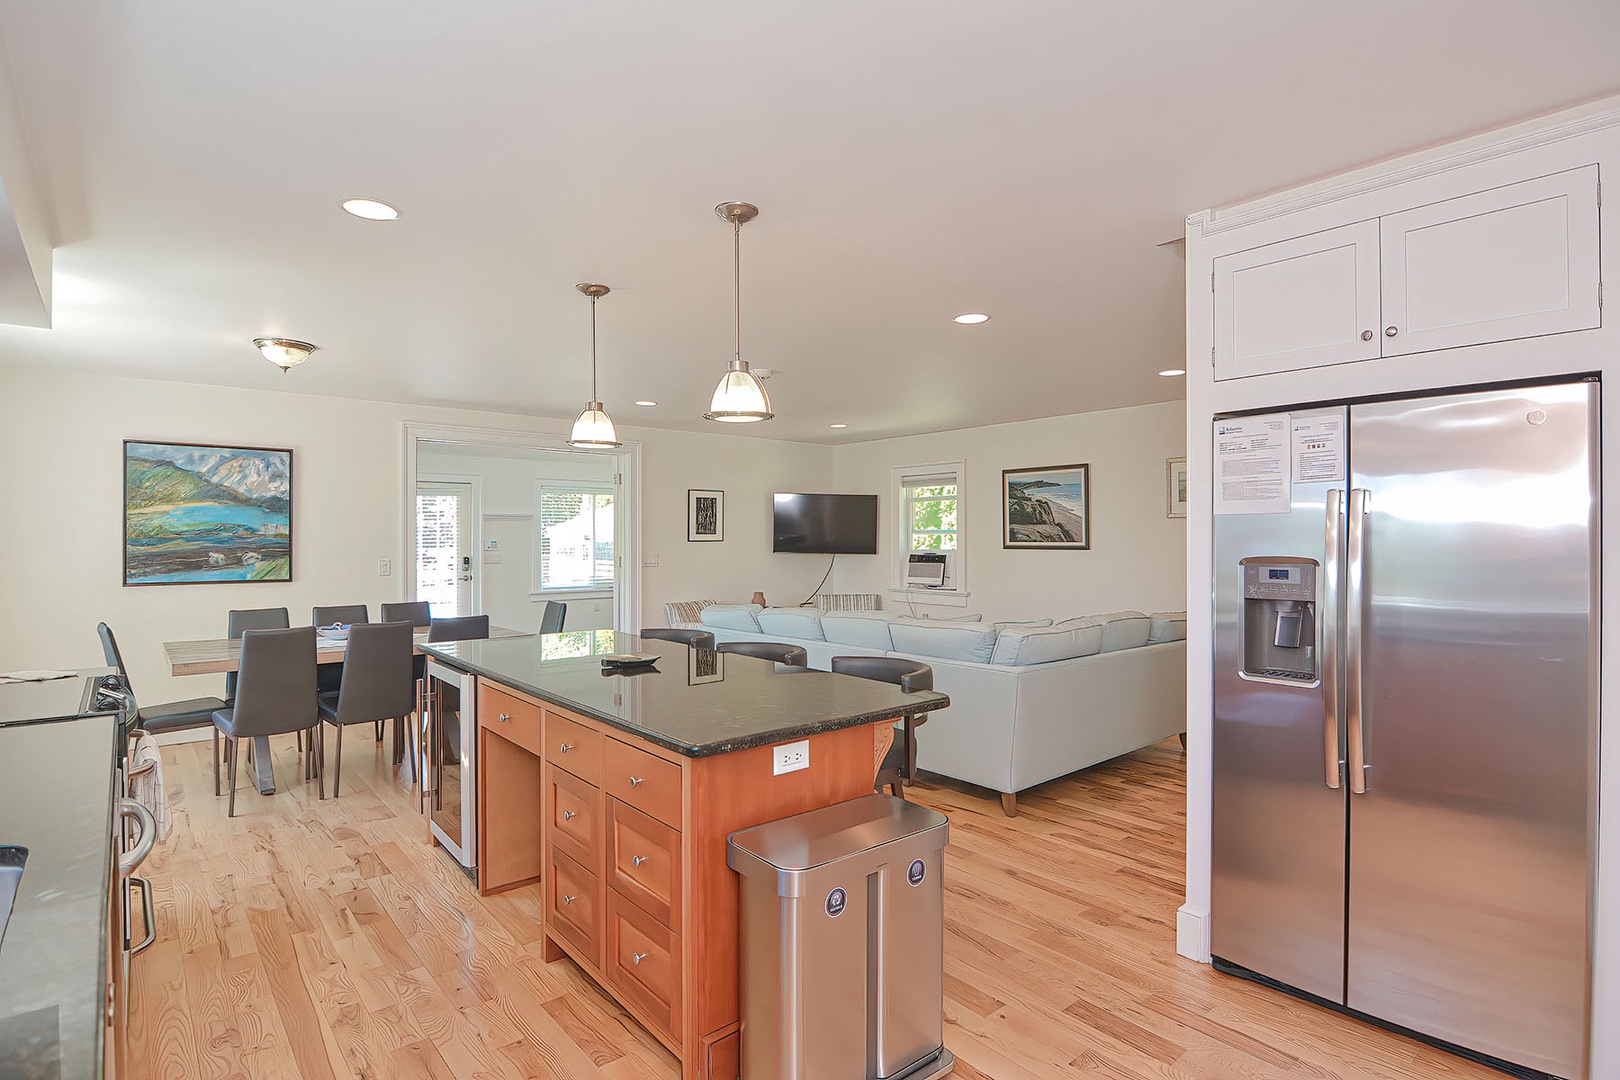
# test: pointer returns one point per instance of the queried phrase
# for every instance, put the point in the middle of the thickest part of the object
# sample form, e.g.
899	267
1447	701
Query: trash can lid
805	841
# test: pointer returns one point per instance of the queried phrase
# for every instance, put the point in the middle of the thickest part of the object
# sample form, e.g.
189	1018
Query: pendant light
594	428
740	398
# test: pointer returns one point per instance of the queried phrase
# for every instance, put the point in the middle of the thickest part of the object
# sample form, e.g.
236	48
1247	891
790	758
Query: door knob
637	860
636	781
1390	331
1366	335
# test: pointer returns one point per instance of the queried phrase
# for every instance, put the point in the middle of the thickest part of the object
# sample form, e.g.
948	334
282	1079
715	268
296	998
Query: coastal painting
195	514
1047	507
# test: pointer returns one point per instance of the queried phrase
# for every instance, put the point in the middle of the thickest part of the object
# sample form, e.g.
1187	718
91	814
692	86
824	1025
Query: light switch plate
649	560
384	567
791	757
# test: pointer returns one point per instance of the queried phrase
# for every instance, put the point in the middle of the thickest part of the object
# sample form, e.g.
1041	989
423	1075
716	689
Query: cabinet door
510	803
1301	303
1513	262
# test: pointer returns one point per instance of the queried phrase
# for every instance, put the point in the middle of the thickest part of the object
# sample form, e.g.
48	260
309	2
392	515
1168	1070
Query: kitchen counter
56	800
695	702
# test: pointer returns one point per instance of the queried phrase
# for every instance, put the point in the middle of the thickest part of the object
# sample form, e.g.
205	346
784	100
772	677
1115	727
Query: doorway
445	568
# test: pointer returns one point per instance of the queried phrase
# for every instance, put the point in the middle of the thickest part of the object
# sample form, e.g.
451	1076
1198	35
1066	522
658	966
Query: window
576	537
931	504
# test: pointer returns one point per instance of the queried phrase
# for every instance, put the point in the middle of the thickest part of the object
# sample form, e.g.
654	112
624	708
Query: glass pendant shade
740	398
594	429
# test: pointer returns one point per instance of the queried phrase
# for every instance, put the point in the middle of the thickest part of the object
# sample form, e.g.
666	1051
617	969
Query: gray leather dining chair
463	628
781	653
418	613
900	763
275	695
169	716
377	685
236	621
701	639
551	620
328	677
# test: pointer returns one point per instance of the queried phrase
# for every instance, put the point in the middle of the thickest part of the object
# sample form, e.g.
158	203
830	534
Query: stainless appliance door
1279	827
1469	870
452	769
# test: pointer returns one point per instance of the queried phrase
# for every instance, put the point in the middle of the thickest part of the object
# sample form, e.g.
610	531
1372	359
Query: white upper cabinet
1514	262
1306	302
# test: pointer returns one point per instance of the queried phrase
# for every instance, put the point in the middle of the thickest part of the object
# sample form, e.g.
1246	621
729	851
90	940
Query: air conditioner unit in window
925	569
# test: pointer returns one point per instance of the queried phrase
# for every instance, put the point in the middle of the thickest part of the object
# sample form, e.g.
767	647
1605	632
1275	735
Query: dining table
216	656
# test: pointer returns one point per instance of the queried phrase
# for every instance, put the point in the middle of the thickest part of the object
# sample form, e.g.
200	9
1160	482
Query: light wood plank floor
324	940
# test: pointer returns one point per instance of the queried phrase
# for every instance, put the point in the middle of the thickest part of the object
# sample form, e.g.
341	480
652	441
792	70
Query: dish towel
147	788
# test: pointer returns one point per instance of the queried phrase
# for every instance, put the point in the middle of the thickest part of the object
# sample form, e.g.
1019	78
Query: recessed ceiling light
646	404
838	425
970	318
1170	373
370	209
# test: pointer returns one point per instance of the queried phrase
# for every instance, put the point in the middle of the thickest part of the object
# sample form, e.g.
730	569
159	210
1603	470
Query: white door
444	553
1513	262
1300	303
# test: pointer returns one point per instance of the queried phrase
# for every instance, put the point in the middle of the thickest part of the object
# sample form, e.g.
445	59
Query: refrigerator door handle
1330	639
1355	574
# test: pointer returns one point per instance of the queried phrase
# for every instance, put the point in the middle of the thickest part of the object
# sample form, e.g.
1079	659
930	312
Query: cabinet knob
1390	331
565	747
637	860
504	717
636	781
638	957
569	815
569	899
1366	335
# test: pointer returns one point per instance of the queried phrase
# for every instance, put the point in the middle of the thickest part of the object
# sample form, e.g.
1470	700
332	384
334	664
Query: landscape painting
1048	507
196	514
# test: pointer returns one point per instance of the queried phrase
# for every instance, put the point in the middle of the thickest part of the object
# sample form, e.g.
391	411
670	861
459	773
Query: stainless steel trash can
842	943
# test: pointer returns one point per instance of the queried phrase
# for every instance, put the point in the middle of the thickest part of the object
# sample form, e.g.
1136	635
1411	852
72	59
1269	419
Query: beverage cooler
450	747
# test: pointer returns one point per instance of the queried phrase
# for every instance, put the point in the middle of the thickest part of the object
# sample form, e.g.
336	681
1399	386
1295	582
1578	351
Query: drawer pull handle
638	957
637	860
567	746
569	815
637	781
504	717
569	899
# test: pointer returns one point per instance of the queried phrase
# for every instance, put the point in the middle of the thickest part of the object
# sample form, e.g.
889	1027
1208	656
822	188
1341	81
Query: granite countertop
56	800
696	702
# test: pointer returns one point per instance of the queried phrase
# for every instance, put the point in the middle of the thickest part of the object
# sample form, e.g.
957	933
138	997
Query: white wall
505	478
1137	557
61	441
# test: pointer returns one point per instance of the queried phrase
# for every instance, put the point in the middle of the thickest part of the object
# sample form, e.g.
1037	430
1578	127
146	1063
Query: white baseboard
1192	933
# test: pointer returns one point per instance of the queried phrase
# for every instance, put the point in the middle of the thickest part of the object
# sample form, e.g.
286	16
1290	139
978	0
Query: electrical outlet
791	757
385	567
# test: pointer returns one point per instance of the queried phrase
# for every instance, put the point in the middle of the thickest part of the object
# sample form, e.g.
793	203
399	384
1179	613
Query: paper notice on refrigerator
1252	465
1318	449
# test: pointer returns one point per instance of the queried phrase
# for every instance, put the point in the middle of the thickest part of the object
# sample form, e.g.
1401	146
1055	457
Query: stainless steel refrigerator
1406	693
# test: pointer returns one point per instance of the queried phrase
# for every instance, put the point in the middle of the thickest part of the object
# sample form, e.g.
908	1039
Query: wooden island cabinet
617	794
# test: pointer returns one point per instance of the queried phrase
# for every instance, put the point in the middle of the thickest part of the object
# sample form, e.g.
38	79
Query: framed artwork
1175	487
1047	507
196	513
705	515
704	665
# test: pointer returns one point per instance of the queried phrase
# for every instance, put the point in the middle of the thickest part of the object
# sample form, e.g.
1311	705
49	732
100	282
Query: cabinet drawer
648	783
643	965
512	719
644	861
574	813
574	906
574	746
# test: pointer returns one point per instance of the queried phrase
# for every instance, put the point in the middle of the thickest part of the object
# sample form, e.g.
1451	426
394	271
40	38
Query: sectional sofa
1030	701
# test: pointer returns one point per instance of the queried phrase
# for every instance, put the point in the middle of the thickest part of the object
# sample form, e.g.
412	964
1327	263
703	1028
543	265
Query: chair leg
894	789
317	747
216	763
337	771
379	730
231	751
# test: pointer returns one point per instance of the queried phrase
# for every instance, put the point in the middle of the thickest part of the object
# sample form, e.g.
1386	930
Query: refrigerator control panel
1279	581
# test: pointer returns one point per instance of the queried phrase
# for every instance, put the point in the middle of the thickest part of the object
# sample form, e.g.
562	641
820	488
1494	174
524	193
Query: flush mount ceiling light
283	352
1170	373
594	428
370	209
971	318
740	398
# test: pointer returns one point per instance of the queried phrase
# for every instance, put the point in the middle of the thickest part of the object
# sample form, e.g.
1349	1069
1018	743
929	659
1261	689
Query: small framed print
705	515
1175	487
704	665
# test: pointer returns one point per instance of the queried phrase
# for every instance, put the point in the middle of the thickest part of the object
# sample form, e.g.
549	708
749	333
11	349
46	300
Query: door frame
627	502
475	533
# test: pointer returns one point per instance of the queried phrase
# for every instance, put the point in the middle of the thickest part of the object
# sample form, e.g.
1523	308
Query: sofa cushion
791	622
868	629
1021	646
946	639
1002	627
1167	626
1121	629
732	617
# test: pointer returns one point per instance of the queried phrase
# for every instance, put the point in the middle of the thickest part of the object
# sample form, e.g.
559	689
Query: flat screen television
826	524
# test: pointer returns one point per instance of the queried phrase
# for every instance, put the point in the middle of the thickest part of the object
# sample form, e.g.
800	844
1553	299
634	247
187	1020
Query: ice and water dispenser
1280	620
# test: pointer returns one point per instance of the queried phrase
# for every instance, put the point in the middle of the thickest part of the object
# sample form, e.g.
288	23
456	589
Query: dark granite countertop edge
700	750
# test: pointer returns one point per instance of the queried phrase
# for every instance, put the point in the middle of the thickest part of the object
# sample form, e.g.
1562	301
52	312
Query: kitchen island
617	791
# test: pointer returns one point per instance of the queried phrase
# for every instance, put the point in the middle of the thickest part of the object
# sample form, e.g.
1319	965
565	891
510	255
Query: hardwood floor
323	940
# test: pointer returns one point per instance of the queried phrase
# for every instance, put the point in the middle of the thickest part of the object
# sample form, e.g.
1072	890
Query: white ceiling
911	160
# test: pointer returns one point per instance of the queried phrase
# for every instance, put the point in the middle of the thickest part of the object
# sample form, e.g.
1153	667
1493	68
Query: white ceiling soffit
25	234
912	160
